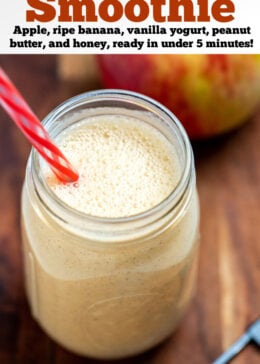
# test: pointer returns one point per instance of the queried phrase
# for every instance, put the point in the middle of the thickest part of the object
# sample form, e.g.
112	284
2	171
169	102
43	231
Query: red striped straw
15	105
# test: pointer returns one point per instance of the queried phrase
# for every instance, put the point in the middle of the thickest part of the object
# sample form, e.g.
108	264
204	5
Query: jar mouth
108	97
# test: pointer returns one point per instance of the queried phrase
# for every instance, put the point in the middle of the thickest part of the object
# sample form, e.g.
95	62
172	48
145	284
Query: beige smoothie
101	294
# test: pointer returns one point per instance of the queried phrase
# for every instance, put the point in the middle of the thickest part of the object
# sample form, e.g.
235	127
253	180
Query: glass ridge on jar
110	287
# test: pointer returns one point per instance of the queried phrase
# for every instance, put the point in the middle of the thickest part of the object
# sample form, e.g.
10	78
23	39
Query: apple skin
210	94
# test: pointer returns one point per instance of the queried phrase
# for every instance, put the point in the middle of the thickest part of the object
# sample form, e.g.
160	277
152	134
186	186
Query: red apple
210	94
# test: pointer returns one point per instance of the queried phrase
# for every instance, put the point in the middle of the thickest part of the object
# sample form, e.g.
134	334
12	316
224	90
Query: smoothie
125	167
111	297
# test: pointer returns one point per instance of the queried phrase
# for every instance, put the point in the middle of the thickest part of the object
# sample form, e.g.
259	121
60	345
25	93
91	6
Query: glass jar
110	287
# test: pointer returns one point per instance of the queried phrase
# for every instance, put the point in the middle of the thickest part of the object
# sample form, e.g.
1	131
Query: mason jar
110	287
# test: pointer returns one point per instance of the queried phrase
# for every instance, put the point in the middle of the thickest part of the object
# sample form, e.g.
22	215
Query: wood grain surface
228	288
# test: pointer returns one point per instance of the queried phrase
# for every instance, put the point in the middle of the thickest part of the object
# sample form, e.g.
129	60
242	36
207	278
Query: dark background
228	289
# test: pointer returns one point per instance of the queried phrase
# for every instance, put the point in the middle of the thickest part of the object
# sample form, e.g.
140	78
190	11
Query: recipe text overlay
155	37
134	10
130	26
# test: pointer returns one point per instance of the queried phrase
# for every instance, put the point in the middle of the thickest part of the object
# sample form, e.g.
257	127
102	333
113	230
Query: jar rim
60	209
